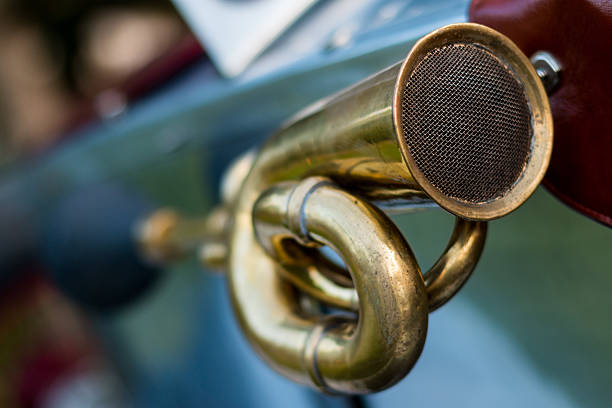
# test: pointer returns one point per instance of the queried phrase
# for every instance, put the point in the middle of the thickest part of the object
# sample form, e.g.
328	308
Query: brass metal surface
321	181
360	354
318	276
166	236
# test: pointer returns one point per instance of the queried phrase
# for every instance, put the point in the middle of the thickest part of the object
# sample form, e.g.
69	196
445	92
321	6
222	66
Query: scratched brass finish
324	179
322	279
349	355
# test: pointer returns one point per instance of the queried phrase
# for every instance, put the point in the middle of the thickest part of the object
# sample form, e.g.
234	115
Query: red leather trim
599	217
579	34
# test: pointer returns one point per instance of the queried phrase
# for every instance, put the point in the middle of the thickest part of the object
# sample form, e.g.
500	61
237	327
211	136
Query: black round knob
89	249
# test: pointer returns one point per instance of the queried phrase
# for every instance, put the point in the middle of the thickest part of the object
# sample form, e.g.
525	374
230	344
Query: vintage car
290	214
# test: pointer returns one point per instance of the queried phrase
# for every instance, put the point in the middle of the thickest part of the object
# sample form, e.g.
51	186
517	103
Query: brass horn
462	122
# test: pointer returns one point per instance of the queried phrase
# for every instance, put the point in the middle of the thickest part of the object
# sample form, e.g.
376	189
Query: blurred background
59	56
62	64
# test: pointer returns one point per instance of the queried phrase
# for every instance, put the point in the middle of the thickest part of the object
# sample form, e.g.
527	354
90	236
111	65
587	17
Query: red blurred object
46	342
42	372
579	34
162	69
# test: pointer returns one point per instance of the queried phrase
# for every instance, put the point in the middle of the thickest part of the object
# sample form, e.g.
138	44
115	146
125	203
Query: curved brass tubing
355	138
456	264
284	201
313	273
340	355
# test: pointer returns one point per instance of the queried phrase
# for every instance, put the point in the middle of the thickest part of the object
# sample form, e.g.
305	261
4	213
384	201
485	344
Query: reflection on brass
322	179
387	286
311	272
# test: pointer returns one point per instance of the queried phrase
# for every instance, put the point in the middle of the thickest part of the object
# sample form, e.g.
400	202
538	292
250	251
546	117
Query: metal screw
548	69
